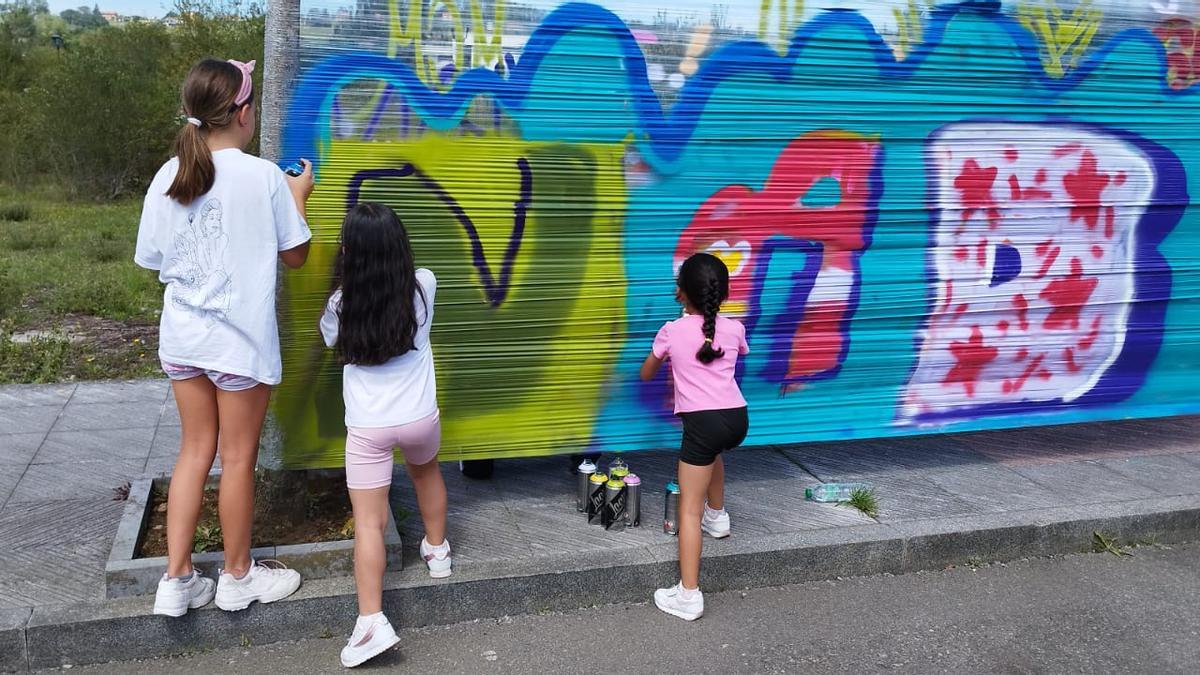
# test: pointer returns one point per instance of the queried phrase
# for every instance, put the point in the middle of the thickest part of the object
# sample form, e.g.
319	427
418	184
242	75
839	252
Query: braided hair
704	280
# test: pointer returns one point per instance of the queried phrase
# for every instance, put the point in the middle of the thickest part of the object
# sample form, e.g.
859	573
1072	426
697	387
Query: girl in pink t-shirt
703	348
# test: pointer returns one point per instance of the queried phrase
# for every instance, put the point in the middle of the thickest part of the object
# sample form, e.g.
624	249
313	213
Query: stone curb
124	628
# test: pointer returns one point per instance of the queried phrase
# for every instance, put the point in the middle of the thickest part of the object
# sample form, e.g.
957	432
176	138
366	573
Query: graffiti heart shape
735	256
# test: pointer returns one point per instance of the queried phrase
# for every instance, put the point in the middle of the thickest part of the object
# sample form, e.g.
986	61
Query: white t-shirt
400	391
218	257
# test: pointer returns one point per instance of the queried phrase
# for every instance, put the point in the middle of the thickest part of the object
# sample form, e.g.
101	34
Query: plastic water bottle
832	492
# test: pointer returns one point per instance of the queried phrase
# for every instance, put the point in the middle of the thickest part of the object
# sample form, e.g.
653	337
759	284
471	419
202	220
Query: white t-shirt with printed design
218	258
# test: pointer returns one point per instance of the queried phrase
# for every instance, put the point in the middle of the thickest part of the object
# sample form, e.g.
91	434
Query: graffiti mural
937	216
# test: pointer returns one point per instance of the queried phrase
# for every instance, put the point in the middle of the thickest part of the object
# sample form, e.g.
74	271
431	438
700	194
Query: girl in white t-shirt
214	225
378	319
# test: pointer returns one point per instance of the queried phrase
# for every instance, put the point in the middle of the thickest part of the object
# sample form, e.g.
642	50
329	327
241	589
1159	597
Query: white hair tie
195	122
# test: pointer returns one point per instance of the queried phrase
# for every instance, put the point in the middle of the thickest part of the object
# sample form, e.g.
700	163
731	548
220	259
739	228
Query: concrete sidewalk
520	545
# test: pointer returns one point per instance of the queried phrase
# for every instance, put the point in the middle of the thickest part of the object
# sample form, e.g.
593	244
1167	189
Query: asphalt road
1095	613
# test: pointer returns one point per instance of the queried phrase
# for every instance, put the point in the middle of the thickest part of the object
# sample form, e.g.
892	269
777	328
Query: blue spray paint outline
1144	327
666	134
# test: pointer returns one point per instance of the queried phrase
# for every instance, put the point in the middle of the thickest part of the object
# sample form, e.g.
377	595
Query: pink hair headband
247	87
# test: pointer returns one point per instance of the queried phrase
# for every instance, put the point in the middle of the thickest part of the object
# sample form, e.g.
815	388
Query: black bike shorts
708	433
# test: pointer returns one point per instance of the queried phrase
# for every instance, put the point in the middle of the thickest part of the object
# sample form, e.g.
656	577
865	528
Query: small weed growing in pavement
245	641
208	538
326	633
865	500
975	562
1101	543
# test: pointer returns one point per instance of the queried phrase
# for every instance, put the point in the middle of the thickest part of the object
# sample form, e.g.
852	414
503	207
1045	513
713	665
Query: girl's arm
330	323
650	367
295	257
301	187
291	228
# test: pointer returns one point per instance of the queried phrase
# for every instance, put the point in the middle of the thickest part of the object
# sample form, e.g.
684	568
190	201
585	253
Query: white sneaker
715	523
267	581
370	638
671	601
437	558
176	596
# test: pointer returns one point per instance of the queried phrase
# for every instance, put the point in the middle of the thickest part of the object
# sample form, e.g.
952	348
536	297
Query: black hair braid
710	305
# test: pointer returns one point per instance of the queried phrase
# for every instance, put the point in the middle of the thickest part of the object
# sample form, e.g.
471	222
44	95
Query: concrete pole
282	56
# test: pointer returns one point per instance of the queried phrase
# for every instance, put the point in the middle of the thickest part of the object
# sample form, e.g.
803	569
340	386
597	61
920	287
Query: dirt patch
78	347
324	514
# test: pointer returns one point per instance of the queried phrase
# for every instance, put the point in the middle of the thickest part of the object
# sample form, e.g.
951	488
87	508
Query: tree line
93	108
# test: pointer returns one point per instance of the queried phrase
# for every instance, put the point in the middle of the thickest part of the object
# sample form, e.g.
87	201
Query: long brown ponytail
209	95
704	279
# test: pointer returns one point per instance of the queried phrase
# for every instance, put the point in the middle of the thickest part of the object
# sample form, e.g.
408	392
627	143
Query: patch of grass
30	237
38	361
15	213
865	500
63	262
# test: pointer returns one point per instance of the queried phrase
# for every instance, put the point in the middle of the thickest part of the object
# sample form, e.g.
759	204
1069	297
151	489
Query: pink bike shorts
369	451
222	381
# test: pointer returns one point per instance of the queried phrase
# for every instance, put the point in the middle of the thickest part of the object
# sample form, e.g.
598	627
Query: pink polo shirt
700	386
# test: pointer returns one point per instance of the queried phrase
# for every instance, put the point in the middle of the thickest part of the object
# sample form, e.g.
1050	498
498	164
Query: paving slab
40	576
97	416
994	488
1086	482
22	396
154	390
20	448
10	475
74	480
59	524
31	419
1165	474
99	444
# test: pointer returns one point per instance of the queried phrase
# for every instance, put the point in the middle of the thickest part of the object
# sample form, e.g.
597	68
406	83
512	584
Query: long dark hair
209	97
704	280
378	317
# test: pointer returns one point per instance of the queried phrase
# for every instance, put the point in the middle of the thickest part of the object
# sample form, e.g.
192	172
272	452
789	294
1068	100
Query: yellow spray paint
558	335
1064	37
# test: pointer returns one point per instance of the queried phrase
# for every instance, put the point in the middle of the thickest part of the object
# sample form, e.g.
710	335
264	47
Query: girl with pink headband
214	224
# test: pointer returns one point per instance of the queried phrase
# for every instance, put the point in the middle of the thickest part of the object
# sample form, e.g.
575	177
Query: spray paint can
671	513
614	505
595	505
618	469
586	469
633	500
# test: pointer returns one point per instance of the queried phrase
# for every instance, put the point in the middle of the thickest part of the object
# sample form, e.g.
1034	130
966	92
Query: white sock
712	513
365	621
688	593
440	547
